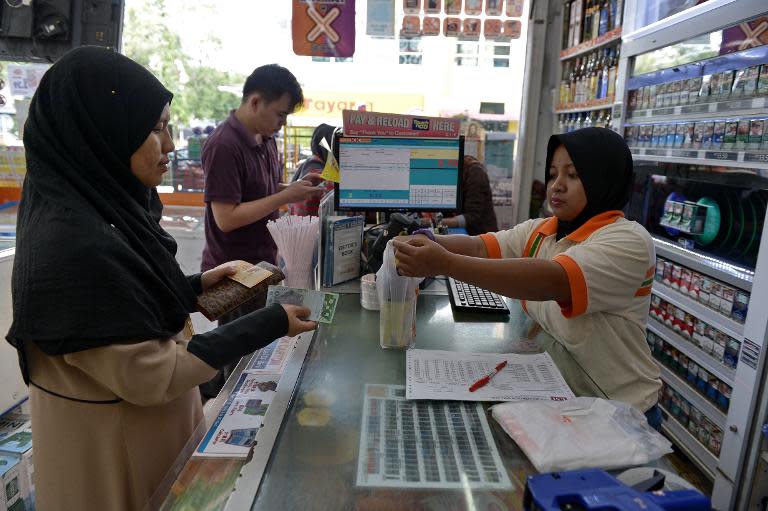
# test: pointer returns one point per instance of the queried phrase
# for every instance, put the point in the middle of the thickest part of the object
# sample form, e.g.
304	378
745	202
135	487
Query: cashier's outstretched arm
526	279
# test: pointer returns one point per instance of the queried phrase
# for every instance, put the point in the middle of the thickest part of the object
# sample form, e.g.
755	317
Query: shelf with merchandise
709	386
711	157
733	107
680	436
713	413
714	318
690	350
603	105
710	266
612	37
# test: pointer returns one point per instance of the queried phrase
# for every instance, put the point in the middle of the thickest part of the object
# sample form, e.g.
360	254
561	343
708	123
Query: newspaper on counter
271	359
435	374
235	429
237	425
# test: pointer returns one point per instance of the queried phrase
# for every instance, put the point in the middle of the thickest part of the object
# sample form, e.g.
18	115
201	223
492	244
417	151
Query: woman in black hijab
584	274
99	301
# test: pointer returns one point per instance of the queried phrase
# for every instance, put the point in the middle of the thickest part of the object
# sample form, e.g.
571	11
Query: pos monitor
399	174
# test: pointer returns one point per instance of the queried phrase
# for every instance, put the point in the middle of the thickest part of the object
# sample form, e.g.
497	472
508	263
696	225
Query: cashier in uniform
584	274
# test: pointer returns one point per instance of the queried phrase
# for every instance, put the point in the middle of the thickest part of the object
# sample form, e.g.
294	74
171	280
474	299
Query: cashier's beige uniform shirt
610	262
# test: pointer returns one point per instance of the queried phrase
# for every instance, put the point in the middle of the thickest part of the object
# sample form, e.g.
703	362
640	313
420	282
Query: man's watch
426	232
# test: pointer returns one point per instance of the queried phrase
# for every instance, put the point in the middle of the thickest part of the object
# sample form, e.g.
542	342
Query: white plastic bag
397	302
585	432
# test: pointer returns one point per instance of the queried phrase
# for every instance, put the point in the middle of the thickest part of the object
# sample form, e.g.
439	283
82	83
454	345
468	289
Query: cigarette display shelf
697	400
737	107
614	36
712	365
699	310
713	157
715	268
684	440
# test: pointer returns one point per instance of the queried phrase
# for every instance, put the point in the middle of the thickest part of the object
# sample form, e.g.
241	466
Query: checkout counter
314	465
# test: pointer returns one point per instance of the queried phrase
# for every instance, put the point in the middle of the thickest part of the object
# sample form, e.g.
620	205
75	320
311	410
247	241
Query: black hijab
93	267
604	164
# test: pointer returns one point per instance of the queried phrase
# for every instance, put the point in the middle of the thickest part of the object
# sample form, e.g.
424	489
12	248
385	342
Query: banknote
322	305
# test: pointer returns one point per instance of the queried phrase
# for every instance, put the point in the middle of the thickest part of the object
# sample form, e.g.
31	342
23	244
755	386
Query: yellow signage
331	104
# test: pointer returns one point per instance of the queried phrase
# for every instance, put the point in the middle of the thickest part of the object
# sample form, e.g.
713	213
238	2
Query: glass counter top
315	467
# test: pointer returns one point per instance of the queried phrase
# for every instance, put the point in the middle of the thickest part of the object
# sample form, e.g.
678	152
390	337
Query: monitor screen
399	174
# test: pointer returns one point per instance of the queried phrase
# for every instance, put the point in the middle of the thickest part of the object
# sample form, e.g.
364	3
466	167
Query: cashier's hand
420	257
215	275
296	324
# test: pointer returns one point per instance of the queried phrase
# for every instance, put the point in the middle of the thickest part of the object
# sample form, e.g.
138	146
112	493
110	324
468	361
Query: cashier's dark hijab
93	267
604	165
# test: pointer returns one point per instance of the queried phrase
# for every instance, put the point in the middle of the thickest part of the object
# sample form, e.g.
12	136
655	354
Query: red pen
482	382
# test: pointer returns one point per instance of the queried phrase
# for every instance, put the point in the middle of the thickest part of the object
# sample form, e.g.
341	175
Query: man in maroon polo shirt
242	181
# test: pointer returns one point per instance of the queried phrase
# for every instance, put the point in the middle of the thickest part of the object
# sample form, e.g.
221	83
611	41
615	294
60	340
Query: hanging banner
375	124
381	18
324	28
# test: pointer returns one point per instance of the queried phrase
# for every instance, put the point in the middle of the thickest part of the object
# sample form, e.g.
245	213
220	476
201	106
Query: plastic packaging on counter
397	302
584	432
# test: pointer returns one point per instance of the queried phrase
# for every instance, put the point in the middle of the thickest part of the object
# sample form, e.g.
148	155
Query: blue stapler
592	489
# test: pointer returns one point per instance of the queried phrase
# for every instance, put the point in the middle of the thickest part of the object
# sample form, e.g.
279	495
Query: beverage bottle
613	75
578	21
604	18
587	22
595	18
604	81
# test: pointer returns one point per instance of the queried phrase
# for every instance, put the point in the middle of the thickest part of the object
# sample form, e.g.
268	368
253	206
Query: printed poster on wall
471	28
431	26
473	7
750	34
324	28
24	79
376	124
381	18
492	28
493	7
412	6
433	6
514	8
411	26
453	6
512	29
452	27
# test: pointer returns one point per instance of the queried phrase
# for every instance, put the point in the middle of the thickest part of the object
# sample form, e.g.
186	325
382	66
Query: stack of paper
296	237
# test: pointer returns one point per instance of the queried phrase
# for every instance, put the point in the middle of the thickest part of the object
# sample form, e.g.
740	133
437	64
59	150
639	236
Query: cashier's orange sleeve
578	285
491	246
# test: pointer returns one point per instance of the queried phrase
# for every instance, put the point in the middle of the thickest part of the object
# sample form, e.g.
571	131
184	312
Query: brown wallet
228	294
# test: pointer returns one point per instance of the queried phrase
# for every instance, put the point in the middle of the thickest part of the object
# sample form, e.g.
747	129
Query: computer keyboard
467	297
